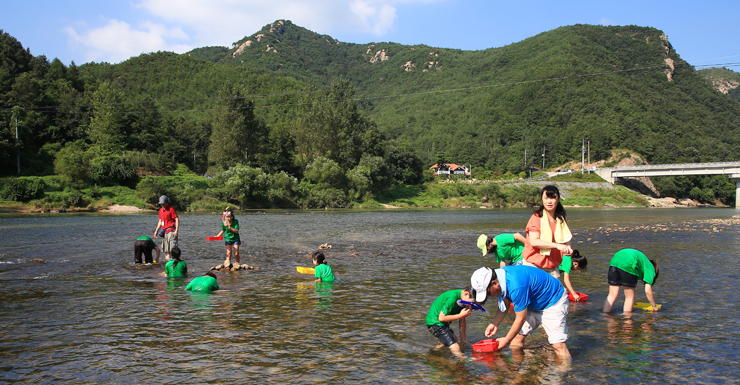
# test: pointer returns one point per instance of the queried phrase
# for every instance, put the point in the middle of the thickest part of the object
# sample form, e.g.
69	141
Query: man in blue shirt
538	298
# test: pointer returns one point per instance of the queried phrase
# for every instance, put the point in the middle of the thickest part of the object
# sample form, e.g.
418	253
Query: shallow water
89	316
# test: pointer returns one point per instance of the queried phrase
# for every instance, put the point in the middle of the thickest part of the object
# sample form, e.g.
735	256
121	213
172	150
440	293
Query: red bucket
584	297
485	346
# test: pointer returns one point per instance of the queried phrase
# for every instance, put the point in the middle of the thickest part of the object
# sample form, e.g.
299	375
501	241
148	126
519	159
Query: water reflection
323	291
632	339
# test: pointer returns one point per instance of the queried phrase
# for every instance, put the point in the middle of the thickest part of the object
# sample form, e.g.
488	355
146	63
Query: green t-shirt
567	264
508	248
446	303
324	272
230	236
634	262
202	283
151	241
179	271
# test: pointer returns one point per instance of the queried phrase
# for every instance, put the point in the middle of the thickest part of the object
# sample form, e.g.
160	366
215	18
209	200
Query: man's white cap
479	281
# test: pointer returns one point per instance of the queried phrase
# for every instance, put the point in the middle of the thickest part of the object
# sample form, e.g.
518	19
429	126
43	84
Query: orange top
532	254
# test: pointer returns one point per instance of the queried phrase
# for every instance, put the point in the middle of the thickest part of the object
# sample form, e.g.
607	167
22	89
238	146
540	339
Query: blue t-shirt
531	288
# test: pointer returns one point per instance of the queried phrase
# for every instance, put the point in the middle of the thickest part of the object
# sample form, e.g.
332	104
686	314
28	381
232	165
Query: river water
88	315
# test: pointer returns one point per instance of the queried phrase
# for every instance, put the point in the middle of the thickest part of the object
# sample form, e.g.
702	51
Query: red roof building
450	169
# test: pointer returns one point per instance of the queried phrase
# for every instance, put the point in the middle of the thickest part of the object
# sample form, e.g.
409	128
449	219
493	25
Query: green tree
329	125
71	162
237	133
106	130
323	170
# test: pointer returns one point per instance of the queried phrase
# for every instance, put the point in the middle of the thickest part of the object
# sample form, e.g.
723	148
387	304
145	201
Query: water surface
89	316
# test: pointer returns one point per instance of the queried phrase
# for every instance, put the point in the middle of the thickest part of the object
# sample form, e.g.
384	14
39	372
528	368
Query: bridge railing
676	165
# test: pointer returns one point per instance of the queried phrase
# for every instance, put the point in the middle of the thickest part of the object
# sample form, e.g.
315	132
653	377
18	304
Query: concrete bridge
731	169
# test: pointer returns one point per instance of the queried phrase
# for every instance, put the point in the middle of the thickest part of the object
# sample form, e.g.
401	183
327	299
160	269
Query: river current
88	315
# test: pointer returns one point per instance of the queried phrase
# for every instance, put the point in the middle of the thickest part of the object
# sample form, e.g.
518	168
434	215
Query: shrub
111	170
149	190
22	189
321	196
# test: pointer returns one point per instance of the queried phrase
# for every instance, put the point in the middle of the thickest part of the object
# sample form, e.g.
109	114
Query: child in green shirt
205	283
625	269
572	262
176	268
506	247
322	272
443	311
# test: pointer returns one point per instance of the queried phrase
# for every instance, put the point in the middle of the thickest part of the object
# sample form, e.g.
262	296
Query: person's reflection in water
202	300
525	366
447	368
174	284
633	338
324	295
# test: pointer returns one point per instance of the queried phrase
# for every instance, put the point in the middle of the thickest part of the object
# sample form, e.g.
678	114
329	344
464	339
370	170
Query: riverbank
462	194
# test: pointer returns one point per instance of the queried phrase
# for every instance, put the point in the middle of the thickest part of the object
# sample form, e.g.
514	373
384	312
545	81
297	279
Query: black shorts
143	246
444	334
619	277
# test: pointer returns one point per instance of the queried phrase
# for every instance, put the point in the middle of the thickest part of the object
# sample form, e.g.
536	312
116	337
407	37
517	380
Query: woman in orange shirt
548	235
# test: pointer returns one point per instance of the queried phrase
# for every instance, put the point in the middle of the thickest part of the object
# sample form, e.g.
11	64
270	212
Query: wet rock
234	267
37	260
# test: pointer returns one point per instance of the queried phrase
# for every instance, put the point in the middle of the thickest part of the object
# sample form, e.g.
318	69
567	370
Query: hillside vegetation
723	80
290	118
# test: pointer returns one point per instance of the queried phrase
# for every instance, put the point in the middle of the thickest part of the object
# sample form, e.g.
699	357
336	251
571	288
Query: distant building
450	169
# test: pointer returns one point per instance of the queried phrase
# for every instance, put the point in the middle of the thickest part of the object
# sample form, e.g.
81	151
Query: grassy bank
195	193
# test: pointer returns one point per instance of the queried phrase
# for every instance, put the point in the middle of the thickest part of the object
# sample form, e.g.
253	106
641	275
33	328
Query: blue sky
703	33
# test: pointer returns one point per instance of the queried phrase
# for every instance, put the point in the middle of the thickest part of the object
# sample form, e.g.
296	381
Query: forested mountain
619	87
723	80
285	98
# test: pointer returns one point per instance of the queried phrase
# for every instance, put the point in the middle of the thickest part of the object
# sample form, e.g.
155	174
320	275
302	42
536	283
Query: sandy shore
122	209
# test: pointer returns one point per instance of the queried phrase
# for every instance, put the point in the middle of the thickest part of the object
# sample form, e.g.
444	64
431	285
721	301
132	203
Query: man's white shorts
552	320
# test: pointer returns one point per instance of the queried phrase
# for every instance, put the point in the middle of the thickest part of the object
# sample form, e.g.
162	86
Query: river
88	315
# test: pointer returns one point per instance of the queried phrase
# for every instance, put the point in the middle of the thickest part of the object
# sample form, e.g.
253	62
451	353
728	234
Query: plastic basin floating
485	346
646	306
305	270
214	238
584	297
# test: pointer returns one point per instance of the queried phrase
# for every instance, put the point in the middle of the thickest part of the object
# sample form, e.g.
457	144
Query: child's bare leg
455	349
236	253
629	299
228	255
611	298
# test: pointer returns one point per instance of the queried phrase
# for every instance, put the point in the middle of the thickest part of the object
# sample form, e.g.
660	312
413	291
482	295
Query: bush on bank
247	187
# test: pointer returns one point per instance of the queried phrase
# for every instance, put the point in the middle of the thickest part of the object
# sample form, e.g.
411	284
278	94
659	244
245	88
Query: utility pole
543	157
589	156
17	148
194	170
583	154
525	157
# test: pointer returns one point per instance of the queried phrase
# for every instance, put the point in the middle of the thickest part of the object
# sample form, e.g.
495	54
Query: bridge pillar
736	178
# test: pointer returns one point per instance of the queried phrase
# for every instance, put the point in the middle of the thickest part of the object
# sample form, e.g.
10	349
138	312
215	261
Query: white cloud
606	22
180	25
220	22
117	40
375	18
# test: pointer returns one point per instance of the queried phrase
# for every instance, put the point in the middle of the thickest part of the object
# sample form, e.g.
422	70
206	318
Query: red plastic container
214	238
584	297
485	346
